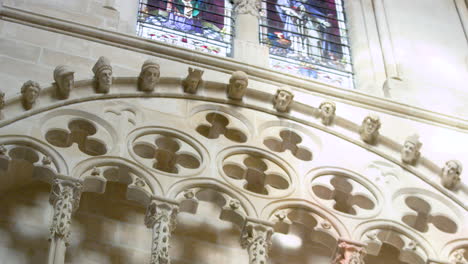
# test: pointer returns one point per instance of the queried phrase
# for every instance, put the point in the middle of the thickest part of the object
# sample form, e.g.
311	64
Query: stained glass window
204	25
308	38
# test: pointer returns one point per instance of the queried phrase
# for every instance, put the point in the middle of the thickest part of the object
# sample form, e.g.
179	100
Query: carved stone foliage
80	132
256	172
19	164
167	151
231	208
160	217
256	238
392	244
218	124
65	198
422	215
289	140
349	253
459	256
251	7
344	194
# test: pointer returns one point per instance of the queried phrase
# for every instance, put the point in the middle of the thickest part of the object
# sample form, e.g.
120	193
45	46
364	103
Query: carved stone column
256	238
65	198
247	47
160	216
349	252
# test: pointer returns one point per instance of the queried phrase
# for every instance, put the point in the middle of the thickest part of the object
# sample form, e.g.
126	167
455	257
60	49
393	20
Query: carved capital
160	216
256	238
251	7
65	198
349	253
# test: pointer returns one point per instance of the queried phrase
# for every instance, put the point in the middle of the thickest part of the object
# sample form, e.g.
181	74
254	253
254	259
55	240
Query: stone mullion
65	198
160	217
256	238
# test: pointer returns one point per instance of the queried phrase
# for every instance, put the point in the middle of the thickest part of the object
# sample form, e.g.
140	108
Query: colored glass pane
308	38
195	24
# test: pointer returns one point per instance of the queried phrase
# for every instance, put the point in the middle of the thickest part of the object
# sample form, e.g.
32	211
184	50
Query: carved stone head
30	92
451	174
327	112
192	81
369	129
149	76
102	75
64	81
237	85
283	99
410	151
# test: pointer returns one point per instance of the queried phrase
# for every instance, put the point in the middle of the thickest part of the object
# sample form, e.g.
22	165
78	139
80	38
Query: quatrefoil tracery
289	141
422	216
260	174
220	125
342	192
79	132
169	153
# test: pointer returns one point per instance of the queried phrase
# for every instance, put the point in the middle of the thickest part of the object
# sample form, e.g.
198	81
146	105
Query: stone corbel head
237	85
283	99
30	92
369	129
102	75
64	81
327	112
192	81
410	151
149	76
451	174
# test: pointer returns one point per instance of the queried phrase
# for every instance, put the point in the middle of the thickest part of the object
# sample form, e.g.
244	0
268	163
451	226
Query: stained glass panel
204	25
308	38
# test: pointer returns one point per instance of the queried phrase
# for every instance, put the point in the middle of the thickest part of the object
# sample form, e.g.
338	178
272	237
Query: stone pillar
160	217
349	252
247	46
256	238
394	76
65	198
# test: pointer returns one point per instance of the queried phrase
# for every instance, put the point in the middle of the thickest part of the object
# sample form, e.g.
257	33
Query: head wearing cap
414	139
149	63
103	63
61	71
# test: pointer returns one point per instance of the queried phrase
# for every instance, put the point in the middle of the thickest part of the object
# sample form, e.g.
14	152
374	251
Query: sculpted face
150	78
370	126
30	94
450	174
327	110
105	80
408	154
192	83
237	89
283	99
66	84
